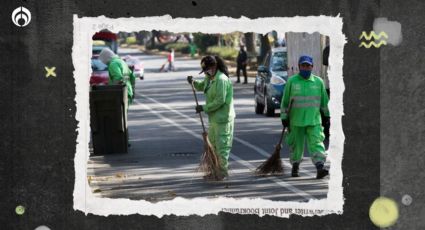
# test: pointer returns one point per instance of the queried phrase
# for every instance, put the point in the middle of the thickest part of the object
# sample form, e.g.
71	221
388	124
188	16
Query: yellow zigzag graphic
372	43
372	34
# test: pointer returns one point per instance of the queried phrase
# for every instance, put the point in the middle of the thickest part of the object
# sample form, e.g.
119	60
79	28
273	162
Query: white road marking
247	144
233	156
274	179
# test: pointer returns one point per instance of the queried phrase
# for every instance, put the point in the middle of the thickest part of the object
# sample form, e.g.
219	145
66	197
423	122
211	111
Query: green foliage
228	53
161	46
131	40
203	41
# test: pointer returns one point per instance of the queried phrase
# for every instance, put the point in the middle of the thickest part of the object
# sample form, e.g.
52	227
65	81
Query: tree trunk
152	43
139	38
250	43
264	48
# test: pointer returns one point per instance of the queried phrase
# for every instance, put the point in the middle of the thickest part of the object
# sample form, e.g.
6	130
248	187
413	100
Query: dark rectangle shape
108	119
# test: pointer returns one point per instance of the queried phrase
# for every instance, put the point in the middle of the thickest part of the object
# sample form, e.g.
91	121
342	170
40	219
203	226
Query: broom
163	66
210	163
273	164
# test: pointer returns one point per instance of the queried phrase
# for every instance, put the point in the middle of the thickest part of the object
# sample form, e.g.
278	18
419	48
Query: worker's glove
285	123
326	122
190	79
199	108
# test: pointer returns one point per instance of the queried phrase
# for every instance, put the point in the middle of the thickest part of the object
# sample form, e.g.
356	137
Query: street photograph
196	115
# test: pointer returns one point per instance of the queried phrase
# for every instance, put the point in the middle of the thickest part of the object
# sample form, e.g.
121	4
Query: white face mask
209	72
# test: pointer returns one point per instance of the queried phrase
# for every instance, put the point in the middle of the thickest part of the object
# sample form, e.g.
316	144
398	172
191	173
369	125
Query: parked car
270	81
136	66
99	74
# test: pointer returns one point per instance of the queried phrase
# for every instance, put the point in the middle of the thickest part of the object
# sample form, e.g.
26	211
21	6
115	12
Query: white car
136	66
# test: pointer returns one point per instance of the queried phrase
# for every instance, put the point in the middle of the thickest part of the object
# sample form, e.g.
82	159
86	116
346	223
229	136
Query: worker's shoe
295	168
216	177
321	171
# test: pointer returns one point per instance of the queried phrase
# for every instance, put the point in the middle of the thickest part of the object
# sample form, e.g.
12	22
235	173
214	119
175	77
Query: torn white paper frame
85	27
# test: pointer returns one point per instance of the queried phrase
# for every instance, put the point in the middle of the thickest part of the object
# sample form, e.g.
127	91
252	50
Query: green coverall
304	119
119	71
221	114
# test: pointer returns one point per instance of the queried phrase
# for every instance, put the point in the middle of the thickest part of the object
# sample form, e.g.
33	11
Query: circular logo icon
21	16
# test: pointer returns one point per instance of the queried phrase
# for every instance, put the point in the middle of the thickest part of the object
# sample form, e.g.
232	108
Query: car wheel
259	108
269	109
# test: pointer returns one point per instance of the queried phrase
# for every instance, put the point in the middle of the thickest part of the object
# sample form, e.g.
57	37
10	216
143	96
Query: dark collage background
383	105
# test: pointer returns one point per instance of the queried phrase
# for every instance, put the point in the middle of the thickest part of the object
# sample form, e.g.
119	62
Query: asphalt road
166	145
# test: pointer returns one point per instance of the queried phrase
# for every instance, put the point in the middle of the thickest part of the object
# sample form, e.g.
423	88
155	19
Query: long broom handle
284	128
281	136
196	99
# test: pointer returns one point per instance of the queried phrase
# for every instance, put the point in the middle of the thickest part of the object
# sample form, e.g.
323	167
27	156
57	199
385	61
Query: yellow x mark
50	71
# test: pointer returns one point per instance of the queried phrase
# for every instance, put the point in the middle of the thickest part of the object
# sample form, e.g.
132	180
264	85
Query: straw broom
162	67
210	163
273	165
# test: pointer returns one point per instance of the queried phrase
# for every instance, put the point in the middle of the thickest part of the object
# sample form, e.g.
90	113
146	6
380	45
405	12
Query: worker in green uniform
308	96
218	91
119	72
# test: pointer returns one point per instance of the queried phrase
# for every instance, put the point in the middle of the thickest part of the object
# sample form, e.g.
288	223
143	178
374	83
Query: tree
250	42
154	34
264	48
203	41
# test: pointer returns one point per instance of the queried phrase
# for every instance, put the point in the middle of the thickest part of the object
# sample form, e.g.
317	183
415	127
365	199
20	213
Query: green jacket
219	98
119	71
310	98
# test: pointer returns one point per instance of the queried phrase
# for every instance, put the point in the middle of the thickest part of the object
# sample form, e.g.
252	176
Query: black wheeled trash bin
108	119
